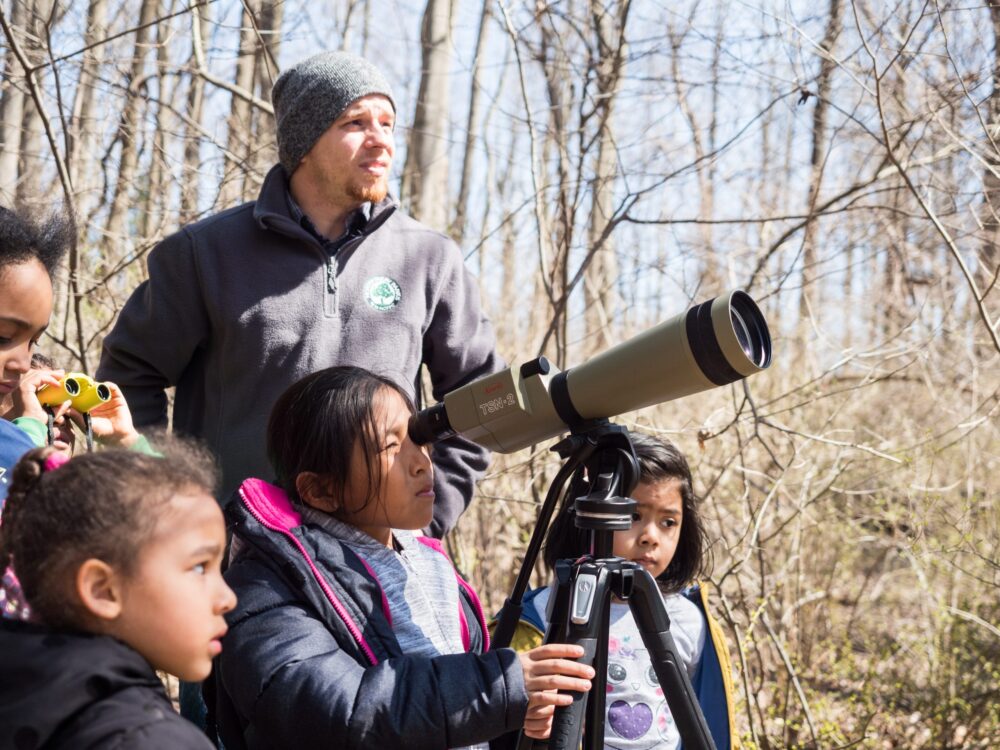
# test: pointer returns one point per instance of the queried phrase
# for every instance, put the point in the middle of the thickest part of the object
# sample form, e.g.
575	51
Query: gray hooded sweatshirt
241	305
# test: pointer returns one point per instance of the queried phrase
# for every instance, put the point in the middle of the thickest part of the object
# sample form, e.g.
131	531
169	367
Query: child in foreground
668	540
352	631
119	556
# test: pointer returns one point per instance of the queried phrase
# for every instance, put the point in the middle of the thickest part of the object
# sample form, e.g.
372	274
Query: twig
242	93
928	211
539	209
793	676
119	35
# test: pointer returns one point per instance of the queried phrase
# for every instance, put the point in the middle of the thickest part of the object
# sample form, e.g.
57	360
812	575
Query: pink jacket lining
272	508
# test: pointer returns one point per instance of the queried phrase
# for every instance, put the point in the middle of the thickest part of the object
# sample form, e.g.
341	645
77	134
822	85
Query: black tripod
601	462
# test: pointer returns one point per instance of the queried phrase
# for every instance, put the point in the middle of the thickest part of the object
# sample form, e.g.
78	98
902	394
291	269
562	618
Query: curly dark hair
315	424
659	460
102	505
23	238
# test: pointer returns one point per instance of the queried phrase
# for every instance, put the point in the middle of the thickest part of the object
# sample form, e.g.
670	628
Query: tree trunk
128	129
84	134
989	266
240	114
33	146
552	59
154	201
264	152
12	111
602	271
471	130
200	29
809	299
425	176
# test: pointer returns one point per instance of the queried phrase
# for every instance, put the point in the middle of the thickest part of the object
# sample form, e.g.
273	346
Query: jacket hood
51	676
262	517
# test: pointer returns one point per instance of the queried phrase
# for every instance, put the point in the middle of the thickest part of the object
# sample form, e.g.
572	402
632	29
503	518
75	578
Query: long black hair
316	423
659	461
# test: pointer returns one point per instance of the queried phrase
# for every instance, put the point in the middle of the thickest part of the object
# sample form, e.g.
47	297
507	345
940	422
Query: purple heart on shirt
628	721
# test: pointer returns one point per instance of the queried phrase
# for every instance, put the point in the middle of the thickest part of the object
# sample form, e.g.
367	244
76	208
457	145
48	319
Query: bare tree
12	105
839	161
425	175
129	125
609	52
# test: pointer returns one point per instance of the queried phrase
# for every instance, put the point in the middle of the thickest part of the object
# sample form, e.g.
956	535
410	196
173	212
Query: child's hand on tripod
548	669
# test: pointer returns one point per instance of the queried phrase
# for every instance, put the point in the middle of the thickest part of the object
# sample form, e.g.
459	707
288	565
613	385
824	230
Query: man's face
349	164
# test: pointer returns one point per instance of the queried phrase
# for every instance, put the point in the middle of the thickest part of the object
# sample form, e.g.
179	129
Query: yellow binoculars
80	390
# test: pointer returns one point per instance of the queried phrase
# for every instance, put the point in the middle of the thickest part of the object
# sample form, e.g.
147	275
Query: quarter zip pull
331	276
330	296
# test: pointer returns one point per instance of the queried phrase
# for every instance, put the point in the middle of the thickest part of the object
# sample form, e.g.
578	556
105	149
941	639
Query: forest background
604	164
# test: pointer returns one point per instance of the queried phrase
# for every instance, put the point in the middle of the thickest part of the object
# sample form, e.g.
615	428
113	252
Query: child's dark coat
69	691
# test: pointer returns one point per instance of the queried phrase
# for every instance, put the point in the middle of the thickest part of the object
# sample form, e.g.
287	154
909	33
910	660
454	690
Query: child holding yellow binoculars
45	397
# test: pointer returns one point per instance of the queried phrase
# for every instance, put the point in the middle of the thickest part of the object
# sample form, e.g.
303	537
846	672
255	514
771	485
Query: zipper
338	607
479	611
330	296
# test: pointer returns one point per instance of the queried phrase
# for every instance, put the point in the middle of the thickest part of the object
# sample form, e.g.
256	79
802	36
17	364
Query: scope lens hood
751	329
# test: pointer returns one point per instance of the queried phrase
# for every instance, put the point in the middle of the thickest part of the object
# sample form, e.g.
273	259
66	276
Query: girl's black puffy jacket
310	659
74	691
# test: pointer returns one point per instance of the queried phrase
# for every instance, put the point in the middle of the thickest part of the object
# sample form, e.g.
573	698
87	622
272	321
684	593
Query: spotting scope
713	343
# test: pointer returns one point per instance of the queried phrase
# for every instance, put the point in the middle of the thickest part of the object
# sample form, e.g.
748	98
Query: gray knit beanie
308	97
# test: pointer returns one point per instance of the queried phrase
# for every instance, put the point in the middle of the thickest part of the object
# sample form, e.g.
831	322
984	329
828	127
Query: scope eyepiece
430	425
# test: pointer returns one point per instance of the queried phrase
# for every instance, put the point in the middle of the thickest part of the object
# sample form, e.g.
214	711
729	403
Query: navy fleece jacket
241	305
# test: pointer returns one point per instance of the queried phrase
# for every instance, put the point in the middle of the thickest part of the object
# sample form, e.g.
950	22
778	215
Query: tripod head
599	490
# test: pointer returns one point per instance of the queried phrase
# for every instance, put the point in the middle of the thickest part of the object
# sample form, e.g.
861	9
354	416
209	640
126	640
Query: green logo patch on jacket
382	293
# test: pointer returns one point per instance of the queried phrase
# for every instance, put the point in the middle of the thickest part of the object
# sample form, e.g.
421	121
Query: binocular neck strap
51	428
89	431
50	424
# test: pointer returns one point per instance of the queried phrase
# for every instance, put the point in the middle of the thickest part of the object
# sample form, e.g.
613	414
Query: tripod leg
588	610
654	627
555	632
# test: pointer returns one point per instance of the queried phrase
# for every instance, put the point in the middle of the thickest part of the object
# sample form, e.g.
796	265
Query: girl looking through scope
351	630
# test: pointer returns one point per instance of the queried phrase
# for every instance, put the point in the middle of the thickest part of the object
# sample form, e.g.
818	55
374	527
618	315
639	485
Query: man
322	269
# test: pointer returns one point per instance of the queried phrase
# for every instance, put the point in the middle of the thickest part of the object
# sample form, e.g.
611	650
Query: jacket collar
271	211
50	675
323	571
